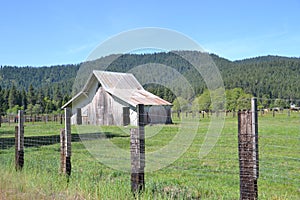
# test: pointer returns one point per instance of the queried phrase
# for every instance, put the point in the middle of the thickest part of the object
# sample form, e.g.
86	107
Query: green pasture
215	176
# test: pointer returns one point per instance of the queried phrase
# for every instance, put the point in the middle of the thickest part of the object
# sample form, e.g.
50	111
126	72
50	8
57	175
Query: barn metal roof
141	96
127	88
116	80
123	86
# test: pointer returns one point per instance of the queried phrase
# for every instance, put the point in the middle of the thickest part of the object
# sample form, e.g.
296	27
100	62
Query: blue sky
43	33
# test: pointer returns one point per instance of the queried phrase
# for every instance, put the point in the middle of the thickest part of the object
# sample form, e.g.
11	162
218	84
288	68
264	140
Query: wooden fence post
62	151
137	152
248	152
65	142
19	141
78	116
255	136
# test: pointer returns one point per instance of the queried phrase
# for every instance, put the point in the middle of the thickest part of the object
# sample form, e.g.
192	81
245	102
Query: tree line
232	100
33	100
273	79
265	77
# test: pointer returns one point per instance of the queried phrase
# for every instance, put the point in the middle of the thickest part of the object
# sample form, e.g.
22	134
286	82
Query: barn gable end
110	98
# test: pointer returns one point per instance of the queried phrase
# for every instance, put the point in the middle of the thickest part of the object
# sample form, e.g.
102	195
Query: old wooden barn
110	98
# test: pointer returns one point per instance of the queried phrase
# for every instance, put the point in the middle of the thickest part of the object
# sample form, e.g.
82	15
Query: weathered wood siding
85	99
105	109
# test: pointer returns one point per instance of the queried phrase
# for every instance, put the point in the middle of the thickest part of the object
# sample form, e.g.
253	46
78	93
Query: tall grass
216	176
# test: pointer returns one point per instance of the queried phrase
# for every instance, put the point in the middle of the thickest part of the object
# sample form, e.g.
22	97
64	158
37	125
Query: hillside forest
273	79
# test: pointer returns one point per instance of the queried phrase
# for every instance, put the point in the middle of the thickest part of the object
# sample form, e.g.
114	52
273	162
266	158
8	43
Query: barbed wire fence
279	150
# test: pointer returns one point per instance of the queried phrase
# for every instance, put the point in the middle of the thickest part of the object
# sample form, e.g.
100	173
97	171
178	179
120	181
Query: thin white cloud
81	48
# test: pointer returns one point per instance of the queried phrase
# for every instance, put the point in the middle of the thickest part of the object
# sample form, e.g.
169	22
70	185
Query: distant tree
265	101
168	95
237	99
180	104
202	102
5	100
232	98
66	99
281	103
217	99
13	97
50	107
37	109
40	100
23	98
244	102
31	99
159	92
57	97
1	100
14	110
29	109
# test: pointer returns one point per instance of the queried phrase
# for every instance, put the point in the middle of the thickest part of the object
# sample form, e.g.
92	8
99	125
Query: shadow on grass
9	132
37	141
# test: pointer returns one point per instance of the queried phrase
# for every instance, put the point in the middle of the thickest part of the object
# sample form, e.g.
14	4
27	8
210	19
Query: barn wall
73	119
118	111
80	102
84	99
104	109
133	117
101	108
118	105
158	114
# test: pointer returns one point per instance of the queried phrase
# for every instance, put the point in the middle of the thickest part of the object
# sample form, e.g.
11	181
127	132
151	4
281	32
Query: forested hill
266	76
39	77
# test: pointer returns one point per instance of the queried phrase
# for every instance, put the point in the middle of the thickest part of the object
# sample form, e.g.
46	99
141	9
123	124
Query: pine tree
5	100
12	98
1	101
57	97
24	99
40	100
31	99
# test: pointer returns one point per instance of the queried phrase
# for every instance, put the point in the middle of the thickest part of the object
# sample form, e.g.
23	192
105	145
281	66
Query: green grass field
215	176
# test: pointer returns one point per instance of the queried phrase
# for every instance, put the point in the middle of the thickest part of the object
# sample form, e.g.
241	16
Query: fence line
33	118
223	153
